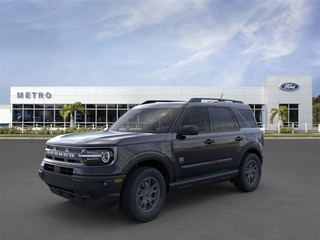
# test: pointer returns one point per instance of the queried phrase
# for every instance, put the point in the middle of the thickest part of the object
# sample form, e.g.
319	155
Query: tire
249	173
143	194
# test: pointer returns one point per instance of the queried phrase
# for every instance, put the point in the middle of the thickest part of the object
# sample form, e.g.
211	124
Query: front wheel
143	194
249	173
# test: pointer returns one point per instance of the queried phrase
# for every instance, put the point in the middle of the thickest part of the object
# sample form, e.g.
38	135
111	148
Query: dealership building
39	106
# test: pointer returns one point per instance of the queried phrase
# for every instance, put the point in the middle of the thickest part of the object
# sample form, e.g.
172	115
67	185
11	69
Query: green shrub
4	130
45	130
9	130
59	131
84	129
27	129
71	130
286	129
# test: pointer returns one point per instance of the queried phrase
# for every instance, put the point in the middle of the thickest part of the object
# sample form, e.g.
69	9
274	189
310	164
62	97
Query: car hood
105	138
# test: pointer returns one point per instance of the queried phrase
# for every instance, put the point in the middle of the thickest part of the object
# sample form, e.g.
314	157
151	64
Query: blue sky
156	42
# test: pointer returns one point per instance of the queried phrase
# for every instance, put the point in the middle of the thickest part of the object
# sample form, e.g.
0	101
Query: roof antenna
221	96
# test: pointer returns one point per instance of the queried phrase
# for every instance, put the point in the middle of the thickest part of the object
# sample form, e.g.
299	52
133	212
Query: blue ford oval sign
289	86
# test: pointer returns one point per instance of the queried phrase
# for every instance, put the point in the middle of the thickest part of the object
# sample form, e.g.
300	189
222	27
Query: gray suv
156	148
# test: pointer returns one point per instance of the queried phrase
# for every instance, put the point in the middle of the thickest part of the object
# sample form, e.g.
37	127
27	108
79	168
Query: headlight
97	157
106	156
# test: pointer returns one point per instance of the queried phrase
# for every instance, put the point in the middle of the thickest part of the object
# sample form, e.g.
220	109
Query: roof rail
214	100
156	101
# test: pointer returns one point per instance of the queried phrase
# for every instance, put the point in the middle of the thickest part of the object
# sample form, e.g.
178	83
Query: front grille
49	167
62	189
63	154
57	169
66	171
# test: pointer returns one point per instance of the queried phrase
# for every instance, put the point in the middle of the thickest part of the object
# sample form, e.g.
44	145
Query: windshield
153	120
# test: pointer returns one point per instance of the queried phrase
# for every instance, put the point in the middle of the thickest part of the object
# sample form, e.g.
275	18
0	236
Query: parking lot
286	205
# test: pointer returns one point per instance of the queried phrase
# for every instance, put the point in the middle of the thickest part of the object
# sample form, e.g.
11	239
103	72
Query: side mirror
188	130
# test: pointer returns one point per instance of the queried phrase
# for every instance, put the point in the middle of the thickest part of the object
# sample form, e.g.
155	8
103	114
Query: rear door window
223	120
248	116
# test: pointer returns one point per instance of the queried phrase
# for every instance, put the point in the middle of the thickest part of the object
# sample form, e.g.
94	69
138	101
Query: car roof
195	102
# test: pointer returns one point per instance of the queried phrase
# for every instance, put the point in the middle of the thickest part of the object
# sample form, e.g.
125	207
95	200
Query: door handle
239	138
208	141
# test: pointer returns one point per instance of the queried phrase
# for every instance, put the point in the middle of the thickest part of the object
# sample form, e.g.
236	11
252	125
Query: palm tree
69	109
282	112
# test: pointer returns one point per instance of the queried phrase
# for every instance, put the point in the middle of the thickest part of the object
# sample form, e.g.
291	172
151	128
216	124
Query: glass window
58	106
259	113
80	117
92	106
38	106
91	116
17	115
241	120
27	116
58	118
38	116
132	105
155	120
121	112
248	116
49	106
28	106
101	116
198	117
293	114
112	105
49	115
293	106
223	120
103	106
112	116
125	106
17	106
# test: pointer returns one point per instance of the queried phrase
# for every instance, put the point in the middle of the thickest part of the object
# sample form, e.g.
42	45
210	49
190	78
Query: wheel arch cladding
161	166
253	151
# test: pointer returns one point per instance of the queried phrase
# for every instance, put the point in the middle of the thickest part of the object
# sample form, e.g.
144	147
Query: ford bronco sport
156	148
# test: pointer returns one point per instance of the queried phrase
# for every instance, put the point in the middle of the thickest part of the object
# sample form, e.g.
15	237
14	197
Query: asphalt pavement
286	204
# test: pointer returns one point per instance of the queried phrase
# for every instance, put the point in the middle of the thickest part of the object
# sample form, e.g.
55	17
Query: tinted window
242	122
223	120
198	117
153	120
248	116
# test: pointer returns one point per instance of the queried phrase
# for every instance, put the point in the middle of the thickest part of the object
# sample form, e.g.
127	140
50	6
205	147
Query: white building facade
39	106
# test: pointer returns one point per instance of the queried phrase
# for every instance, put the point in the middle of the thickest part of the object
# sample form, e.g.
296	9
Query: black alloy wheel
143	194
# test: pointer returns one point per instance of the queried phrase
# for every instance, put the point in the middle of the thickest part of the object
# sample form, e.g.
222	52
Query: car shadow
75	213
199	195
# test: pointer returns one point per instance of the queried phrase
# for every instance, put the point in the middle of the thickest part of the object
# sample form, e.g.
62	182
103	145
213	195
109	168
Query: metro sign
289	86
34	95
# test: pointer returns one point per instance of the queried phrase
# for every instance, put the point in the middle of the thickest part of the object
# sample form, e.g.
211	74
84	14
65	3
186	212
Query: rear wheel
249	173
143	194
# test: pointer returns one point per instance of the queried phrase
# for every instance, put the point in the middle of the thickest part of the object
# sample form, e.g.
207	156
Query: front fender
157	158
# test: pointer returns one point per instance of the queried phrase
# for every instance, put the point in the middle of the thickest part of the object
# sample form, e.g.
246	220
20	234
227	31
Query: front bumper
91	190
